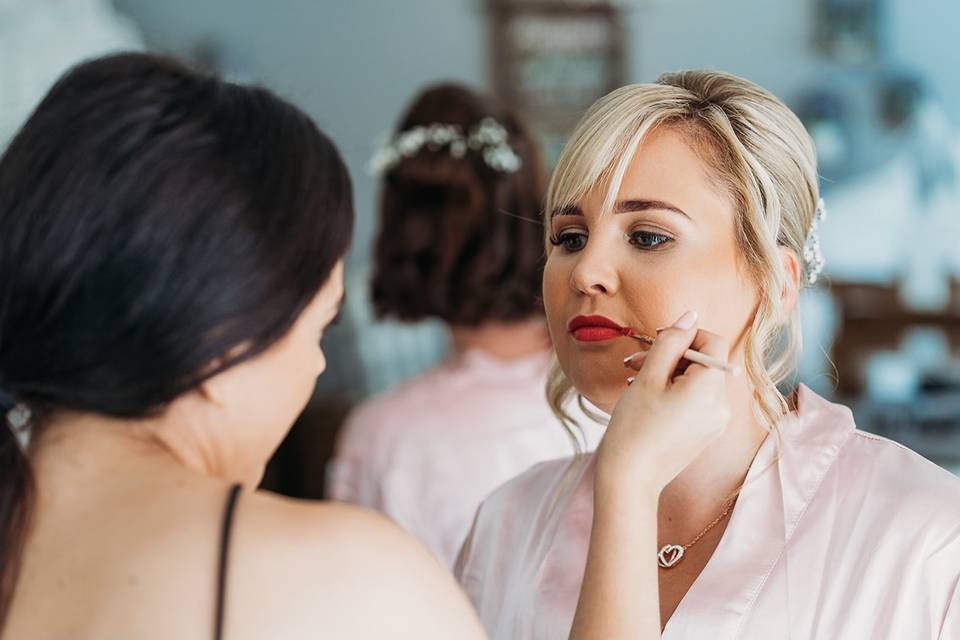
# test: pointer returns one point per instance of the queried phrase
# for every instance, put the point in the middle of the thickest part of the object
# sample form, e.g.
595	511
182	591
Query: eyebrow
626	206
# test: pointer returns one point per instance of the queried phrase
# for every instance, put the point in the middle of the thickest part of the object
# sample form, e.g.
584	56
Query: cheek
656	297
556	291
291	381
306	364
727	292
709	282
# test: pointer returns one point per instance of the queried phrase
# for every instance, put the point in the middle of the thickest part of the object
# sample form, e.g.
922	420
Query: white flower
812	254
488	137
458	148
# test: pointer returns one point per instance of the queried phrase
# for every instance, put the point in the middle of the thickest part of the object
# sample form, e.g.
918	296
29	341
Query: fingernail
634	356
686	321
630	380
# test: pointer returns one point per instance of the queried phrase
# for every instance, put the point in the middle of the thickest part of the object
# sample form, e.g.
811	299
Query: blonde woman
716	506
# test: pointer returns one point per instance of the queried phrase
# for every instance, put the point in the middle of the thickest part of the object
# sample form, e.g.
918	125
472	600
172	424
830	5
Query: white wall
924	34
351	64
354	64
769	42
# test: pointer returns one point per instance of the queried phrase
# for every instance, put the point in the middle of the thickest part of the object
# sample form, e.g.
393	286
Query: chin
602	393
599	375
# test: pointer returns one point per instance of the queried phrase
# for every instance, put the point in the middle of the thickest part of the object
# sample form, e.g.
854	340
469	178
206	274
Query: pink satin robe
429	451
849	536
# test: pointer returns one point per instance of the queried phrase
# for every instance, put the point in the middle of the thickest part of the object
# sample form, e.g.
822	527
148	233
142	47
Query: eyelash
563	238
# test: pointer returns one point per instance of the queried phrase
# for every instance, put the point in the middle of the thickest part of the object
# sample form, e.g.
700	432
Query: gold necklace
671	554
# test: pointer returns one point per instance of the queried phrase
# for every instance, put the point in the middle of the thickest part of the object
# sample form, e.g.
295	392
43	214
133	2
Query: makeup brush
694	356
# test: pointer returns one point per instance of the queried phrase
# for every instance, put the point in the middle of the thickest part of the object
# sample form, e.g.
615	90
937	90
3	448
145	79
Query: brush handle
707	361
696	356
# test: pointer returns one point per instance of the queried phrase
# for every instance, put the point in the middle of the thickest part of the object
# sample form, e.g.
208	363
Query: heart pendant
670	555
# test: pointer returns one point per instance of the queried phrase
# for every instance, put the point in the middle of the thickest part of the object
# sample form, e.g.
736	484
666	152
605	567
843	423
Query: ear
214	389
220	388
794	281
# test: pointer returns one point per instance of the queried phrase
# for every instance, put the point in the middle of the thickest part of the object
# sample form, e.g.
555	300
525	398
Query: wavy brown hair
459	240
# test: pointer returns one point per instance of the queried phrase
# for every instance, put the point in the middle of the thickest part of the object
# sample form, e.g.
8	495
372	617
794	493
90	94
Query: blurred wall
351	64
354	64
924	34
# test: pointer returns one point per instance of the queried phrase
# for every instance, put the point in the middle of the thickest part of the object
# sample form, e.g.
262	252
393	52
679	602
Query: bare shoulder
308	567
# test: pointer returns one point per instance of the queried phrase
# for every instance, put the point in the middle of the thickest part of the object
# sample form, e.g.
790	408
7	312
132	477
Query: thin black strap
224	556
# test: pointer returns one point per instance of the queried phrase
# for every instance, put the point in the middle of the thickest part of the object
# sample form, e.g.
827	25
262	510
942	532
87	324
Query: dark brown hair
459	240
153	220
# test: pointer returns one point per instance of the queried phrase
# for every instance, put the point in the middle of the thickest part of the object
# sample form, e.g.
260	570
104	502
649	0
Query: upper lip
593	321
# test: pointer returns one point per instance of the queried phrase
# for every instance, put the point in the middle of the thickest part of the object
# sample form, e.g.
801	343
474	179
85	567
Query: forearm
620	593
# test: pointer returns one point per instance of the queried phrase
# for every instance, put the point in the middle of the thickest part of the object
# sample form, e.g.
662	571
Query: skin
126	530
681	439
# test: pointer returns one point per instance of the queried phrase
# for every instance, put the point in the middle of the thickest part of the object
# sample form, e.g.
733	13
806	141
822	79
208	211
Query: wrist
618	483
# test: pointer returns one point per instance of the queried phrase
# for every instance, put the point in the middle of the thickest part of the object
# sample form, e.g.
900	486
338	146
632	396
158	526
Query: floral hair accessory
812	255
487	138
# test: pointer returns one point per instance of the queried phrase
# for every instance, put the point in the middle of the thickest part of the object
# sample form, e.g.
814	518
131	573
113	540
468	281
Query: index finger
712	344
701	377
667	351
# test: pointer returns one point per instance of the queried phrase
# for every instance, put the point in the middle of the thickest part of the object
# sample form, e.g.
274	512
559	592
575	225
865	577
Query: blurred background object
874	81
849	30
551	60
40	39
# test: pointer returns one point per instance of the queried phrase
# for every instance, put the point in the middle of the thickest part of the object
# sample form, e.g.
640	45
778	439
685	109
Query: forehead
668	170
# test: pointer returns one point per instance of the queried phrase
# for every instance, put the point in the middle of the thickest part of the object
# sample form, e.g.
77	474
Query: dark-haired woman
171	252
459	241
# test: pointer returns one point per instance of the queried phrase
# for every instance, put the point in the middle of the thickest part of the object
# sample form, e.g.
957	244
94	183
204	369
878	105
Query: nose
594	274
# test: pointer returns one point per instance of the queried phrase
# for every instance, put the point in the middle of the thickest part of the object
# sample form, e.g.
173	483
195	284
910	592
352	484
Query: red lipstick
597	329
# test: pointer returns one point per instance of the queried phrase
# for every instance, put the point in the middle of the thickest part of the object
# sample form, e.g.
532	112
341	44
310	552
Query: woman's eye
570	241
648	239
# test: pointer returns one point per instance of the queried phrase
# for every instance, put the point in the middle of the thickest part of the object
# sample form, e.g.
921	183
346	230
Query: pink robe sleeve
950	629
348	481
351	475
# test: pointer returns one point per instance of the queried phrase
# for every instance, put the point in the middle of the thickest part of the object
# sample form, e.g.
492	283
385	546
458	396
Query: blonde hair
761	156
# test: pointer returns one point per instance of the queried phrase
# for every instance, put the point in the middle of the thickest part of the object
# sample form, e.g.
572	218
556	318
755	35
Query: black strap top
224	557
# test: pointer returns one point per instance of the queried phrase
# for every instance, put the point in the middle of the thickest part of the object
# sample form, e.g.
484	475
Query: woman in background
460	240
172	251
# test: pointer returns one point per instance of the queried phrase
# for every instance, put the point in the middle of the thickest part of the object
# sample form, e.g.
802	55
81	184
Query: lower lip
598	334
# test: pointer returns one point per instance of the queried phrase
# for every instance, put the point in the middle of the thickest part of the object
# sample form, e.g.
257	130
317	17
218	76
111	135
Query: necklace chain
671	554
720	517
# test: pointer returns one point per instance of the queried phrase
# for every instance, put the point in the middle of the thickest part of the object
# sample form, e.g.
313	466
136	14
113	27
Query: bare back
140	559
